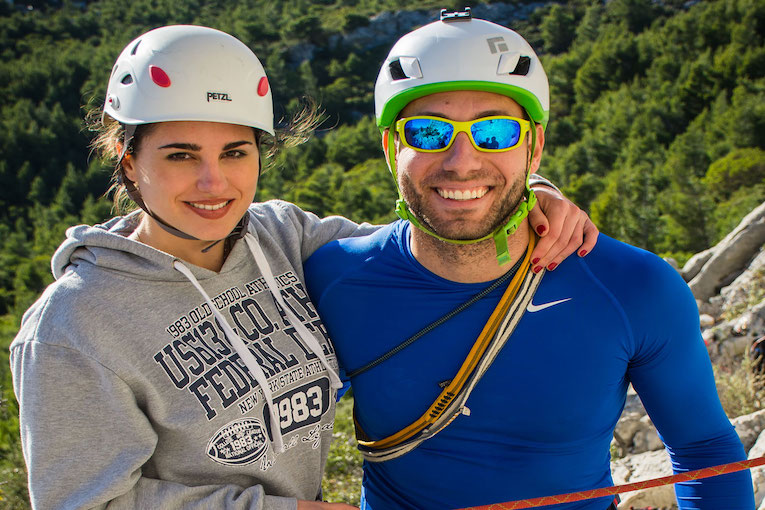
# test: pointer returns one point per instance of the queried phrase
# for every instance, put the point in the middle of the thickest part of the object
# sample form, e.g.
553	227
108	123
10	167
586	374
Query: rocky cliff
728	281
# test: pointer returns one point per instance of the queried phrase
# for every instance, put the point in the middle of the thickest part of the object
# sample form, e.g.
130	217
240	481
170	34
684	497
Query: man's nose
462	156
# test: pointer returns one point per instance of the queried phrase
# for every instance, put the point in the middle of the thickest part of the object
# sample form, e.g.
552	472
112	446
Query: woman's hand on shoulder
562	227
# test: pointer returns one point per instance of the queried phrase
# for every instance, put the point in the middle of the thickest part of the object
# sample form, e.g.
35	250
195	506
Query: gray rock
731	255
749	426
706	320
695	263
644	466
758	473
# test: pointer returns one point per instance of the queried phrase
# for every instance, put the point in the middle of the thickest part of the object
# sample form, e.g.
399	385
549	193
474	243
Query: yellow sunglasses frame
462	127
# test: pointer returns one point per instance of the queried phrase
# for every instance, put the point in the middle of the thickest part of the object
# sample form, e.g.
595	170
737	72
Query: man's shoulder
354	248
340	256
634	275
618	257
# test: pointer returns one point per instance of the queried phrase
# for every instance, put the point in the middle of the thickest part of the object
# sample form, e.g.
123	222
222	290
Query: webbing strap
480	356
571	497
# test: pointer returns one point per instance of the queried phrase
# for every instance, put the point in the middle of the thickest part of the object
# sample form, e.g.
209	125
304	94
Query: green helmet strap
500	235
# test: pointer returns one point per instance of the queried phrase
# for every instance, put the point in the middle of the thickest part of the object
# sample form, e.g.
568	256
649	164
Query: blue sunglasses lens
428	134
496	133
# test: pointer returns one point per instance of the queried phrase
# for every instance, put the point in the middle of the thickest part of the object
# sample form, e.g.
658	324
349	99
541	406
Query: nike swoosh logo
536	308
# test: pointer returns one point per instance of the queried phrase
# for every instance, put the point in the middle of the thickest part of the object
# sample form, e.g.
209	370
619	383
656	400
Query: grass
342	476
13	475
755	294
741	391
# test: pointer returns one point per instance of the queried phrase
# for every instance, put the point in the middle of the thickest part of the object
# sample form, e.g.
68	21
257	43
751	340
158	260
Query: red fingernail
535	260
541	229
552	266
537	269
583	253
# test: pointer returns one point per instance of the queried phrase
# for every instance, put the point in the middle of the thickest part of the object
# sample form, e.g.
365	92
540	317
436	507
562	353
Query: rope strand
617	489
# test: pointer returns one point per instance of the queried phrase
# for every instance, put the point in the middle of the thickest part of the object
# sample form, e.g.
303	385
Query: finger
590	237
538	221
566	243
574	242
544	250
549	248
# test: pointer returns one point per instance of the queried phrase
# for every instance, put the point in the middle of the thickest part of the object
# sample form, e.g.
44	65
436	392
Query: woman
177	361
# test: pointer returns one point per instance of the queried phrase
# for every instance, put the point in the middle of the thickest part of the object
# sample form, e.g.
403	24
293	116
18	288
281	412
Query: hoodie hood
107	246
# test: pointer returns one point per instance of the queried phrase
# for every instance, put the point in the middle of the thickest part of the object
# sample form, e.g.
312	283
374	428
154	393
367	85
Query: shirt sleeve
85	440
671	371
317	231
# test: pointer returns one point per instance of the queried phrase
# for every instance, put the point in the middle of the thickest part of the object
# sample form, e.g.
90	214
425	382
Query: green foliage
557	28
740	168
13	489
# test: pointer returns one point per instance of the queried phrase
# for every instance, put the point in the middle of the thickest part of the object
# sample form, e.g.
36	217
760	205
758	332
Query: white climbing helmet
461	53
191	73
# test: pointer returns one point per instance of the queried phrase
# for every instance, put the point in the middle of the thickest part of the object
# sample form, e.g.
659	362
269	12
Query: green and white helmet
462	53
191	73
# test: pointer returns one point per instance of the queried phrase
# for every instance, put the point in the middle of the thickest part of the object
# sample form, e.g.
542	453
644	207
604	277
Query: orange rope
616	489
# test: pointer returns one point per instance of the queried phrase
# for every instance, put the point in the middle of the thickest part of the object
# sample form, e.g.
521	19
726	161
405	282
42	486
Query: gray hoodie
132	395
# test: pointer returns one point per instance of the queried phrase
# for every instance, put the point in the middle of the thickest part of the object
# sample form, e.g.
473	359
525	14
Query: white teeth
463	195
210	207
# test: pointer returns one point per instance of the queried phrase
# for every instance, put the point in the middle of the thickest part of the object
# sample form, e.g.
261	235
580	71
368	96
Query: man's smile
463	194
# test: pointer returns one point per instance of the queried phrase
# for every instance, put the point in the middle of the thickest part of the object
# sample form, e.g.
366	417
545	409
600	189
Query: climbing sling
451	402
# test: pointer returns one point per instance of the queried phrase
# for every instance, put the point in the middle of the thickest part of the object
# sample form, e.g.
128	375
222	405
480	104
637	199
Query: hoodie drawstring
244	353
305	335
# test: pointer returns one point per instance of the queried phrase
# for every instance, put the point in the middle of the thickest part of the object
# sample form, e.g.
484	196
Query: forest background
657	125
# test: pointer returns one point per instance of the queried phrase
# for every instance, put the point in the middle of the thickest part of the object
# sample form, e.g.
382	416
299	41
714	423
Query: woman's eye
235	153
179	156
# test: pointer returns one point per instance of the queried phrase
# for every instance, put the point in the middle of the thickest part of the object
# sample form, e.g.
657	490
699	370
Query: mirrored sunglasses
487	134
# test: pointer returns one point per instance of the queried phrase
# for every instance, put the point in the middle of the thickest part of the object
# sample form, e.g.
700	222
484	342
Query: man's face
462	193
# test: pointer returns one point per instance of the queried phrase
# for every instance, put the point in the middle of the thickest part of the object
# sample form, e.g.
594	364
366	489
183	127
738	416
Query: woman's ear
128	167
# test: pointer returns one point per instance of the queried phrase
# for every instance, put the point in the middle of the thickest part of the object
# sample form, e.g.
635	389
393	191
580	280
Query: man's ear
385	142
536	158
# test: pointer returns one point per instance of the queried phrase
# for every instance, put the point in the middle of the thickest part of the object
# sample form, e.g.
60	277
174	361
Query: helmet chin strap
500	235
135	195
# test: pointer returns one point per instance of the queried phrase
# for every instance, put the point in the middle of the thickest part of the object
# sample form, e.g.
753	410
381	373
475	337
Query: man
470	390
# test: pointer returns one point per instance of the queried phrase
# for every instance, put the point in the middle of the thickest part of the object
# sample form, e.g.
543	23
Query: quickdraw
617	489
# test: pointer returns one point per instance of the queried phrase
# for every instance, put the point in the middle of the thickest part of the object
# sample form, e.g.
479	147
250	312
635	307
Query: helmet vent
127	79
524	63
135	48
396	71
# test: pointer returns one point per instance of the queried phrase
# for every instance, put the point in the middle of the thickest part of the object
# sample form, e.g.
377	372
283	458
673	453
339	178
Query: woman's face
198	177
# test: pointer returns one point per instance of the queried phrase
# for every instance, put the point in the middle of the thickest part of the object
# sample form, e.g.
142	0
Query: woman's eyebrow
184	146
195	147
234	145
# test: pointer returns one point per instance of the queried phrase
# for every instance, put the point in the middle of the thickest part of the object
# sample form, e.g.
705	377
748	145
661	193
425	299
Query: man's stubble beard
498	215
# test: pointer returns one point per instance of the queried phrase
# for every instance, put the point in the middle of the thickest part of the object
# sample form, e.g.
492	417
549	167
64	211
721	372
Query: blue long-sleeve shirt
542	417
